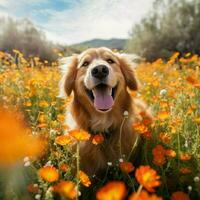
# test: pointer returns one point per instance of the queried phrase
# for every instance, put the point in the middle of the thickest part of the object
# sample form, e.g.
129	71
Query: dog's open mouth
102	96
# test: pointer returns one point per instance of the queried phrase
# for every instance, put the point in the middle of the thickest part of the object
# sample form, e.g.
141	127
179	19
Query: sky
74	21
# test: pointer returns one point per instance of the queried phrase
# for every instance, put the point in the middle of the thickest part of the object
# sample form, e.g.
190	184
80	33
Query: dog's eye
85	64
110	61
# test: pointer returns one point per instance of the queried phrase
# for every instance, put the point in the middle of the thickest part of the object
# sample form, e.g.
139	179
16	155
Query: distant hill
113	43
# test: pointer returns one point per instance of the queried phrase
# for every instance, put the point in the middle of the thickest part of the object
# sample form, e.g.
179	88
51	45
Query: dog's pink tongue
102	98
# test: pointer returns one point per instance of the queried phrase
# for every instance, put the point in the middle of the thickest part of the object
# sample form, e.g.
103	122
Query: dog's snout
100	71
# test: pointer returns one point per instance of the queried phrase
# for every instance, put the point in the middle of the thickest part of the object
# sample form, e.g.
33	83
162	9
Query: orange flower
63	140
147	177
179	196
159	155
191	80
66	188
197	85
143	195
185	170
170	153
80	135
84	179
126	167
16	140
185	156
64	167
162	115
97	139
48	173
33	188
140	127
164	104
165	138
197	119
147	135
114	190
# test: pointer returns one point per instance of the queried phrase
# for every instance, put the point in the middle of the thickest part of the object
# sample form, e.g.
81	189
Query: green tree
172	25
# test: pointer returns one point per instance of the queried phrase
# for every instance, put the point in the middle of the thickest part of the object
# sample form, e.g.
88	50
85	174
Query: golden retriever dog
99	79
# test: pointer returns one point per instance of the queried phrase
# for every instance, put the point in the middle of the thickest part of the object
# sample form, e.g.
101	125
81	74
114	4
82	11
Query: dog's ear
128	70
68	68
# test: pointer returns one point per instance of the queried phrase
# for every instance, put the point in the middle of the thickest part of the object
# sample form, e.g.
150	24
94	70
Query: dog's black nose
100	71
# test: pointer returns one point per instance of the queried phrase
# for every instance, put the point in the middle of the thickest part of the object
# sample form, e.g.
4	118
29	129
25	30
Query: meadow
171	157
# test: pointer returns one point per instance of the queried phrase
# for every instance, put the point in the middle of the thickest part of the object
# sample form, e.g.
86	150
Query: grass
171	89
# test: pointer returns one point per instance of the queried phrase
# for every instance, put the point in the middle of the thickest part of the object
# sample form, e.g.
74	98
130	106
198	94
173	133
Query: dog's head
98	78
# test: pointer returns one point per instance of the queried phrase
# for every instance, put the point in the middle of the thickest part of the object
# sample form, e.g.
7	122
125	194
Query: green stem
133	147
120	137
179	148
77	167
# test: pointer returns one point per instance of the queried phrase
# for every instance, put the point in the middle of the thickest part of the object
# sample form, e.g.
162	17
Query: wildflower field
35	158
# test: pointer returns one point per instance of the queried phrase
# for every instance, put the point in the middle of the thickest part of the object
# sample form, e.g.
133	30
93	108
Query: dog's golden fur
94	158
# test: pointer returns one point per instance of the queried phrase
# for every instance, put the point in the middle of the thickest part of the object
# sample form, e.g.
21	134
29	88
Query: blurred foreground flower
66	188
16	140
143	195
49	173
147	177
114	190
180	196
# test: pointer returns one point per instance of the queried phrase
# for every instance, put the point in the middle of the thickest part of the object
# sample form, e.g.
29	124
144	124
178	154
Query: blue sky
73	21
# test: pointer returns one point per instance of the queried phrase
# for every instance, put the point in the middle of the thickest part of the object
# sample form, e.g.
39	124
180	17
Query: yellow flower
143	195
185	156
66	188
79	135
16	140
162	115
147	177
49	173
165	138
170	153
84	179
114	190
197	119
43	104
63	140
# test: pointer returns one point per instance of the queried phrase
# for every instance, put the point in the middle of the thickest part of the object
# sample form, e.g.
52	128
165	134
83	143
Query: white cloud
88	20
95	19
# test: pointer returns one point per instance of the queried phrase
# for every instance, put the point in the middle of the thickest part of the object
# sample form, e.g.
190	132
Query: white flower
37	196
186	144
190	188
196	179
52	132
109	163
26	164
125	113
121	160
48	163
163	92
26	159
155	73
